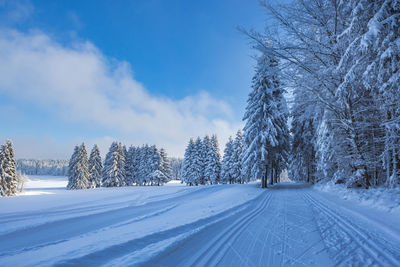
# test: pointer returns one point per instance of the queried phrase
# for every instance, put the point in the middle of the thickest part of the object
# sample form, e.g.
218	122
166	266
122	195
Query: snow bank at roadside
380	198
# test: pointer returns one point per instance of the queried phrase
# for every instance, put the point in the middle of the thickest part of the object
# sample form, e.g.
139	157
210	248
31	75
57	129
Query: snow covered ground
380	198
175	225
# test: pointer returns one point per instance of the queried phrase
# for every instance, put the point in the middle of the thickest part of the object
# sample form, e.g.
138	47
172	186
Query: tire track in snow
373	249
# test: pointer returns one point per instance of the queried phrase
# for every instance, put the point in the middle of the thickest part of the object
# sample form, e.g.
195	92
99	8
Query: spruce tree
81	175
71	168
144	168
265	132
122	164
236	158
213	161
165	165
95	167
114	166
205	154
130	165
8	172
3	184
155	165
226	175
187	166
136	164
198	162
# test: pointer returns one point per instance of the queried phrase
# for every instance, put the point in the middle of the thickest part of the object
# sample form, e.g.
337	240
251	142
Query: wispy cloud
15	11
79	84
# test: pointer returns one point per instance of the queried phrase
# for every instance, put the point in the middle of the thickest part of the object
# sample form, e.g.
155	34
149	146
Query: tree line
340	63
202	163
146	165
55	167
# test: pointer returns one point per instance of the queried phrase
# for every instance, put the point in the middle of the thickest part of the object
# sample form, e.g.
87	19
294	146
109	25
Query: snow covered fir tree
266	134
202	162
78	174
146	165
226	171
114	172
8	172
95	167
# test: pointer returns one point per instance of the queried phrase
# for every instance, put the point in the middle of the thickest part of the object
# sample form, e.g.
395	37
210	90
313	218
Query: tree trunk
272	174
265	178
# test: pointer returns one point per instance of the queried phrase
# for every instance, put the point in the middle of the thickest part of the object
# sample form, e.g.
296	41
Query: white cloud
79	84
16	11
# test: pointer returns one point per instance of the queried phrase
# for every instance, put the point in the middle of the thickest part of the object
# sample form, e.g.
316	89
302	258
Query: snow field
70	225
289	224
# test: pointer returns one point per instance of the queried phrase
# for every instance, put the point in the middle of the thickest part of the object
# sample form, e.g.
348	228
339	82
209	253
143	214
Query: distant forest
59	167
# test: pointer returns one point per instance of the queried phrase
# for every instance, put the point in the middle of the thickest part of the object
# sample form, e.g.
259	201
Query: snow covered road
228	225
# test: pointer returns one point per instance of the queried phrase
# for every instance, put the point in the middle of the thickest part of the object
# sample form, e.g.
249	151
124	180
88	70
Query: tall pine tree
95	167
212	161
266	136
79	175
236	158
226	173
114	166
187	167
8	172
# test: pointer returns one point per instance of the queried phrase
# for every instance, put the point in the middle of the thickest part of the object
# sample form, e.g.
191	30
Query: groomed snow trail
279	231
291	226
224	225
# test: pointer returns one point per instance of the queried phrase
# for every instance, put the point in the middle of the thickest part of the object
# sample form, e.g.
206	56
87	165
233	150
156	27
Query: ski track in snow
224	225
359	245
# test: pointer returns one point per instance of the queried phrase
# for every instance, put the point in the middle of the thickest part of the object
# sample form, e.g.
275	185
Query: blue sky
145	71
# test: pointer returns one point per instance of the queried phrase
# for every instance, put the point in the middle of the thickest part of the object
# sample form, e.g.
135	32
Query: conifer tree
205	153
8	172
71	168
155	164
130	164
80	171
213	161
95	167
143	166
198	163
3	184
236	158
165	164
226	174
114	166
187	167
265	133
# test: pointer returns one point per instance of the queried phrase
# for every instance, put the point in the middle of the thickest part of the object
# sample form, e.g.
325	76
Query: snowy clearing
175	225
